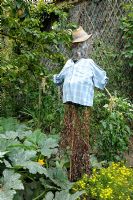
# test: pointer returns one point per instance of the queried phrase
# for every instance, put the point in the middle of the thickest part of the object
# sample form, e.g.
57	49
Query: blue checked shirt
79	80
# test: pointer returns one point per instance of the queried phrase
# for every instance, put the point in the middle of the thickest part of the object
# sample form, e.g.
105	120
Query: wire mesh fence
100	17
103	19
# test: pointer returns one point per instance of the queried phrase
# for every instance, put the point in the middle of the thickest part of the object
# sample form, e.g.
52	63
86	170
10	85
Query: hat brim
82	39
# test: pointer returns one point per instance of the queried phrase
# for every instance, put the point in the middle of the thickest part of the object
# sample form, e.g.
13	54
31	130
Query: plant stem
39	196
108	92
30	178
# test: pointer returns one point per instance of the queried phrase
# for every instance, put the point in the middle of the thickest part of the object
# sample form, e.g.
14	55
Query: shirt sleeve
99	76
58	79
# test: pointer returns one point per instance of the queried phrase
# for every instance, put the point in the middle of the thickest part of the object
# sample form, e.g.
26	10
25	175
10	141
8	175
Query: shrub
109	57
127	29
127	50
114	182
28	50
111	126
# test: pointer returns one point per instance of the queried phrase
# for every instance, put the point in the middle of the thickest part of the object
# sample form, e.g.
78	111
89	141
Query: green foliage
127	28
111	126
63	195
109	58
28	164
94	163
10	183
108	183
26	47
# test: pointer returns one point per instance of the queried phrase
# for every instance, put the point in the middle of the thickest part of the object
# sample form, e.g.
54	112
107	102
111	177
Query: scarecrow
79	76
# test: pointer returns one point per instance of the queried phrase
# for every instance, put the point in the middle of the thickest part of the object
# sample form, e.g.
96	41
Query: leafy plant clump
108	183
127	29
111	126
29	53
29	165
109	58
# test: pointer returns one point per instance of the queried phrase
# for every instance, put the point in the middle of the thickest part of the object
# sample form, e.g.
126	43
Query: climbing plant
31	34
127	28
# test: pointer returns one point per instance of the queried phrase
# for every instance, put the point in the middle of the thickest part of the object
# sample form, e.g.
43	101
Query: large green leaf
48	184
9	135
24	159
11	129
49	147
21	134
10	182
5	144
76	195
36	138
59	177
7	194
19	155
49	196
63	195
2	155
7	164
34	167
45	144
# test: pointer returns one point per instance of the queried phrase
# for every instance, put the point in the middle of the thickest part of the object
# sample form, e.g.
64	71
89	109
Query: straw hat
80	35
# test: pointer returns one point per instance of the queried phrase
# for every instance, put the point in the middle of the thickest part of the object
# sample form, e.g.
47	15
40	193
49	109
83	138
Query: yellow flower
94	170
41	161
106	193
107	183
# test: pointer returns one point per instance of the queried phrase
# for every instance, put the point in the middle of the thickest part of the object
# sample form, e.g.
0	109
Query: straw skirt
75	135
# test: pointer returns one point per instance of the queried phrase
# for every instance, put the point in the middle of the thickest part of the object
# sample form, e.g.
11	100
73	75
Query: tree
26	44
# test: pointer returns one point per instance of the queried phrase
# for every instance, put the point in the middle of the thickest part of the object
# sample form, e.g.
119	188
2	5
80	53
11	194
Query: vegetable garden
35	42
